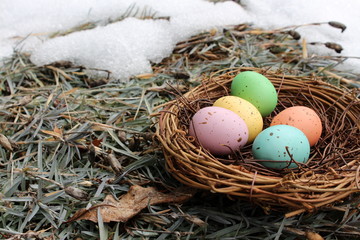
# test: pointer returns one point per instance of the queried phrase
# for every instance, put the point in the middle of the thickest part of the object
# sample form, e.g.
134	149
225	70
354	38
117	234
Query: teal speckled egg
257	89
276	142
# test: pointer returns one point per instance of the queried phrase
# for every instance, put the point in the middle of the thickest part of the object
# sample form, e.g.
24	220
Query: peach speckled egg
219	130
303	118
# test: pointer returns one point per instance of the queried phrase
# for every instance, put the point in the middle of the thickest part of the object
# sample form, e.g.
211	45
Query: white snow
125	48
128	47
272	14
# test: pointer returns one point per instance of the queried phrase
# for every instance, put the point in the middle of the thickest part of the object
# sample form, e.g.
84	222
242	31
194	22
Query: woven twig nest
331	174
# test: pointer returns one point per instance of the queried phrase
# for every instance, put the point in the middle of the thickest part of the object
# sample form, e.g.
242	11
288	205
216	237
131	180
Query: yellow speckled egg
247	111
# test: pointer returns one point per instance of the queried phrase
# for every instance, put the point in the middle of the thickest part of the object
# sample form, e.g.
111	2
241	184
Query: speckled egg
257	89
303	118
275	143
219	130
248	112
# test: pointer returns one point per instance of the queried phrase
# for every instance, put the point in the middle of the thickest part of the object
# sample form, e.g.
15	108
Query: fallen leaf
195	220
4	141
313	236
96	142
76	193
86	183
130	204
114	162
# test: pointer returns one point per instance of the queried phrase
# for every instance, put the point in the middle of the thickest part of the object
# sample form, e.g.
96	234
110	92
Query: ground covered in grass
69	140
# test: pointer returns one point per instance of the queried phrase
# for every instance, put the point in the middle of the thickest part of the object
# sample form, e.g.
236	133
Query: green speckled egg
271	145
257	89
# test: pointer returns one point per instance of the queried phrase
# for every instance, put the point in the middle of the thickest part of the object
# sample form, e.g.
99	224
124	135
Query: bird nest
331	175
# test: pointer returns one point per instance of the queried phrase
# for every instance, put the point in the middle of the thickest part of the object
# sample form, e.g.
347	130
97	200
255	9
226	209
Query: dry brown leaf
130	204
195	220
115	163
76	193
313	236
4	141
96	142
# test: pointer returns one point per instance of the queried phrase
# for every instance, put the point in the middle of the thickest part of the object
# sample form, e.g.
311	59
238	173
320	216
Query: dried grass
69	140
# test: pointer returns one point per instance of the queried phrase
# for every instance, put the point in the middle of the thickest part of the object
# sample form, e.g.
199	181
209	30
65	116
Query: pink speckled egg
219	130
